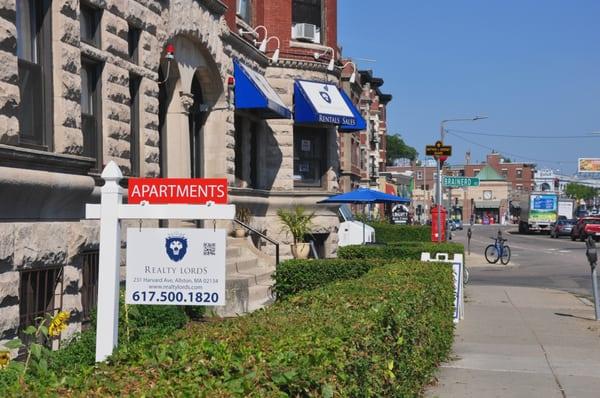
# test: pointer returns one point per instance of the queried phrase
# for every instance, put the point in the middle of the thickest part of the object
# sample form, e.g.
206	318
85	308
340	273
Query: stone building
161	88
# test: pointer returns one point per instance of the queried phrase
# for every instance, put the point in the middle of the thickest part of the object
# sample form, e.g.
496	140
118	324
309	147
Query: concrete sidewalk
523	342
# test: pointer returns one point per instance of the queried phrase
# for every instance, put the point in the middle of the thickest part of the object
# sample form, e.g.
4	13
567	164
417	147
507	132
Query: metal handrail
265	237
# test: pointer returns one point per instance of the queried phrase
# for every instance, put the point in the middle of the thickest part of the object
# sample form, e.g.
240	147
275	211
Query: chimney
493	160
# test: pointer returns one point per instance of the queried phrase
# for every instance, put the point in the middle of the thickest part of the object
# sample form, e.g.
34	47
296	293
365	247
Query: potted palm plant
244	215
297	223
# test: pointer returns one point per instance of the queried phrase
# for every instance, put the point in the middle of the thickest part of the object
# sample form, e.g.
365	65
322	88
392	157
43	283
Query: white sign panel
326	98
182	266
457	271
264	86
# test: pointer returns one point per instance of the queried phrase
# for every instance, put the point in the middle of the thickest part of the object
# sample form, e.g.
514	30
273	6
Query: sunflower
4	359
58	323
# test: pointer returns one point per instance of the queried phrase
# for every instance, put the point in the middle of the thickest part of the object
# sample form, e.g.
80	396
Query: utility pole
439	172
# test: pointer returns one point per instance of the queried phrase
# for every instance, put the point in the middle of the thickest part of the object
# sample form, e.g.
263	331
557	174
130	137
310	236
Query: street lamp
439	170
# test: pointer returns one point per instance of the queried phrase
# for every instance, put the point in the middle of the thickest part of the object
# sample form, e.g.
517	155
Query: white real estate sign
457	270
182	266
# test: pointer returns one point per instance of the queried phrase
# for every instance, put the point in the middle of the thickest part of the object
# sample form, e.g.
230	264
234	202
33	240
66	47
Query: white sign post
457	270
110	211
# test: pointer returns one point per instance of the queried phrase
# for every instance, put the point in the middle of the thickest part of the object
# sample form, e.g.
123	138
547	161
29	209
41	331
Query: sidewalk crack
560	387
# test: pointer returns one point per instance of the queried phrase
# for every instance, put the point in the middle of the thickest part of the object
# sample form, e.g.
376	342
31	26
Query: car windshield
346	213
571	222
592	221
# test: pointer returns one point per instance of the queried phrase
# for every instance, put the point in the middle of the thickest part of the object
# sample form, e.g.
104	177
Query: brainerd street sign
177	190
457	182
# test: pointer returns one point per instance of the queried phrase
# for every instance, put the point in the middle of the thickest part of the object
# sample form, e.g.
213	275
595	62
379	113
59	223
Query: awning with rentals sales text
324	103
253	93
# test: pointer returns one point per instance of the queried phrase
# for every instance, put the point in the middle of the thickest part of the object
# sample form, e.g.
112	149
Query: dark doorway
197	117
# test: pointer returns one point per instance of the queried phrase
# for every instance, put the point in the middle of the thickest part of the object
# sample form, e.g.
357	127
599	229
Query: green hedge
294	276
390	233
381	335
405	250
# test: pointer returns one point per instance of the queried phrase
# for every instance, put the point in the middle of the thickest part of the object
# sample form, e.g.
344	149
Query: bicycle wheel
505	255
491	254
465	275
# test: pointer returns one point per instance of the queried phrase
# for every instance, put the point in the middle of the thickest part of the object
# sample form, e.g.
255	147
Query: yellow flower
58	323
4	359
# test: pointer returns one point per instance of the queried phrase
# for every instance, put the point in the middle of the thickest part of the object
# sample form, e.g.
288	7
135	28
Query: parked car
586	226
457	224
562	227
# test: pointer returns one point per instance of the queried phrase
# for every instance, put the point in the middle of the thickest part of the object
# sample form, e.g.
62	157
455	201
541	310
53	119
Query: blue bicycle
498	251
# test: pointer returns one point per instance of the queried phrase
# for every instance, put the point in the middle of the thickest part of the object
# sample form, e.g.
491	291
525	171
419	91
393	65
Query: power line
511	154
542	137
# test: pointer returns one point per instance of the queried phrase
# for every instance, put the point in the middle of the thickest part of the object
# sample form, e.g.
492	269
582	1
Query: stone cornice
11	156
243	46
306	65
214	6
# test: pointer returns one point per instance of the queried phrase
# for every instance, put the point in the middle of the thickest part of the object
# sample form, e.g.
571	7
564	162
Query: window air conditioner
306	31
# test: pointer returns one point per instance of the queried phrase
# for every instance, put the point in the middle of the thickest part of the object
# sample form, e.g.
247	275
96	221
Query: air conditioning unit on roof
306	31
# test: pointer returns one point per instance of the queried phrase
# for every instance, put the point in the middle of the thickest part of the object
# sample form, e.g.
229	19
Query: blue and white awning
324	103
255	94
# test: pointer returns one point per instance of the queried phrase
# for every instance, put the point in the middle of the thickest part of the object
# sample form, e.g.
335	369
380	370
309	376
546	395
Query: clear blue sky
531	66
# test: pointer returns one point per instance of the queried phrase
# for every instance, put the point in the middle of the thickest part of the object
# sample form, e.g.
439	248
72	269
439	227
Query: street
536	261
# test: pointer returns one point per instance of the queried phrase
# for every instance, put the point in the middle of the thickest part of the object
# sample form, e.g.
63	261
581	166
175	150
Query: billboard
543	208
588	165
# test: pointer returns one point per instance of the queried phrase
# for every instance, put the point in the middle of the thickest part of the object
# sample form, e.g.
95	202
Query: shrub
379	335
294	276
390	233
406	250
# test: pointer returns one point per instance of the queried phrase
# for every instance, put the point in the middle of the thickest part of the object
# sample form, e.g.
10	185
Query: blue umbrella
365	195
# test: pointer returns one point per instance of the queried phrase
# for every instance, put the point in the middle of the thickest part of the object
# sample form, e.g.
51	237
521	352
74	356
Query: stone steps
248	283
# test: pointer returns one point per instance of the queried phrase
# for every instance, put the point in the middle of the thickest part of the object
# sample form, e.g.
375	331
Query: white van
351	231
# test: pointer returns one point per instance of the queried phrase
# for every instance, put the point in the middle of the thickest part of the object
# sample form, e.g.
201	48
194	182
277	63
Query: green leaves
296	222
14	344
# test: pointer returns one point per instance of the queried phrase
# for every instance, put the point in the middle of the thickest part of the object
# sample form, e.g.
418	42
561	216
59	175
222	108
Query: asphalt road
537	261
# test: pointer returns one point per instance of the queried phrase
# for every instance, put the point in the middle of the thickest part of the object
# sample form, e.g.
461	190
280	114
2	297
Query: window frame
135	132
26	316
318	156
96	150
96	20
40	21
248	10
134	35
307	4
89	283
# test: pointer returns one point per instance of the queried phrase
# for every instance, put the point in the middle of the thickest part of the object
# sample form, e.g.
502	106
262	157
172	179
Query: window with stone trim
133	42
246	151
89	23
134	123
40	293
34	66
89	283
519	173
309	156
91	109
244	10
307	11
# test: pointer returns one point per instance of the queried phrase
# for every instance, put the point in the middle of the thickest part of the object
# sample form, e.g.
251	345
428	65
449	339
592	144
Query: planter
301	250
239	232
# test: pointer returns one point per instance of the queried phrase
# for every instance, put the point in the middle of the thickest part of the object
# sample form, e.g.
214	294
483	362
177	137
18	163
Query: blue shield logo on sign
176	247
325	96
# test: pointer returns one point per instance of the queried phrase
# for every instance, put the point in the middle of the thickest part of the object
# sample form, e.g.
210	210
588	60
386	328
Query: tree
580	191
396	148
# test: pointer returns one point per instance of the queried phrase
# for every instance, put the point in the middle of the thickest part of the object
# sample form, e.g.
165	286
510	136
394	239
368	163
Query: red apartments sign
177	190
